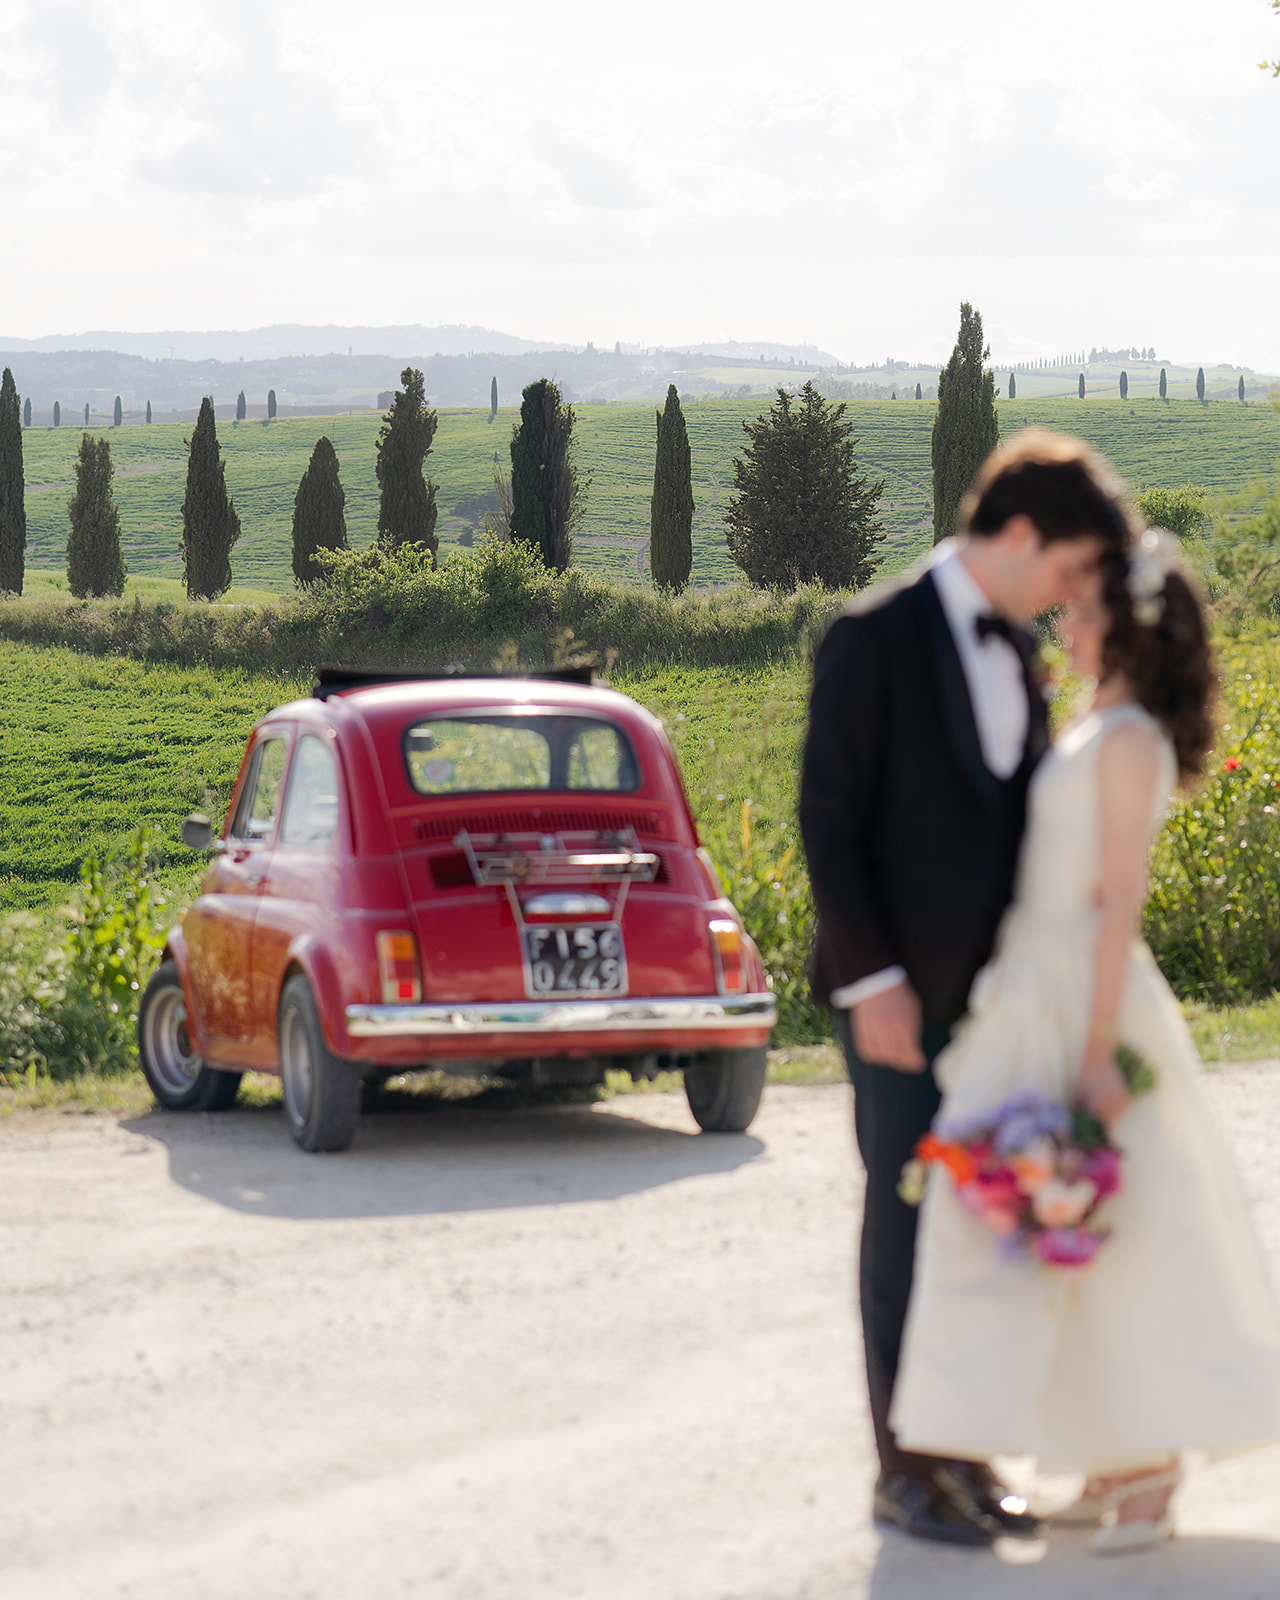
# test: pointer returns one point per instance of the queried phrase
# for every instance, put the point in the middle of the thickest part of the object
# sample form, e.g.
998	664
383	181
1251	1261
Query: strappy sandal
1118	1538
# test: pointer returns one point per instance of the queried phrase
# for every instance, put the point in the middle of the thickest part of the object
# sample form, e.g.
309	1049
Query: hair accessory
1151	560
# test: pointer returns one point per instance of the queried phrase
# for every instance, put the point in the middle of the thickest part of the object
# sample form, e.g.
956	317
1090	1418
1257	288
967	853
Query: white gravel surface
537	1355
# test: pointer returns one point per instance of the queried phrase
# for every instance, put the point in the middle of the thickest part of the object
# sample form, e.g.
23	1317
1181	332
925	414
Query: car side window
256	817
311	806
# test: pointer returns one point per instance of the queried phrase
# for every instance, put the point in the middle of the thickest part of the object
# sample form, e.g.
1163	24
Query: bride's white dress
1169	1339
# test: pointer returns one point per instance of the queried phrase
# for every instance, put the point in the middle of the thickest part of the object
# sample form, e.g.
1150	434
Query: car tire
724	1088
177	1077
321	1091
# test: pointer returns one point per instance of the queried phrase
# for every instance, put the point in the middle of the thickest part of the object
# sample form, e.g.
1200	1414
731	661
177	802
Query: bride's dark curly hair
1168	663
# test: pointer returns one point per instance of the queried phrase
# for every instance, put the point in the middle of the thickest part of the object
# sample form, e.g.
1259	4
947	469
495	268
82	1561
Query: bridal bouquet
1035	1172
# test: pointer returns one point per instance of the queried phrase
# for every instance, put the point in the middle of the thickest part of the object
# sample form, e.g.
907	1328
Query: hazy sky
1087	173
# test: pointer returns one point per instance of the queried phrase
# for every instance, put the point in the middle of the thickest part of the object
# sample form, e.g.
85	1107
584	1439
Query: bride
1168	1340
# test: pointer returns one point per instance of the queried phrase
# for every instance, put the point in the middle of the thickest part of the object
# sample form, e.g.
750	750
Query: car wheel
321	1092
178	1078
724	1088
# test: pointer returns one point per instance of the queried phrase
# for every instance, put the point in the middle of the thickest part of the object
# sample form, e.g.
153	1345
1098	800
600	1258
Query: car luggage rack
616	860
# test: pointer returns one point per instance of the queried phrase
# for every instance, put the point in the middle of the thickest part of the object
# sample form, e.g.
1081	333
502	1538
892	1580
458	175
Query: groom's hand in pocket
886	1029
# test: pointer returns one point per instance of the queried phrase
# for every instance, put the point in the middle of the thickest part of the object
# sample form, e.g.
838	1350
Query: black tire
321	1092
178	1078
724	1088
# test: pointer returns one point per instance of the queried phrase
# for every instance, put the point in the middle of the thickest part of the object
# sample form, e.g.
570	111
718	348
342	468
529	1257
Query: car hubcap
295	1067
169	1050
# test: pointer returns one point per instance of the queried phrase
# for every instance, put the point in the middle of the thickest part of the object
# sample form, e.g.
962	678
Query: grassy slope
1221	446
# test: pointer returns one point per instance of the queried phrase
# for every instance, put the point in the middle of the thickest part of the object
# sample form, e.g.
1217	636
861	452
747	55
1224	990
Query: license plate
575	959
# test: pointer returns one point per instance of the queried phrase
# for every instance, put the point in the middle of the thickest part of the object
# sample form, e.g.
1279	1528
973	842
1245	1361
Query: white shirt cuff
850	994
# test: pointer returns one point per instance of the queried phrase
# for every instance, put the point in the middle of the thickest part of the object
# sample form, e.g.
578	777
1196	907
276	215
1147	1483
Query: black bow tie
988	623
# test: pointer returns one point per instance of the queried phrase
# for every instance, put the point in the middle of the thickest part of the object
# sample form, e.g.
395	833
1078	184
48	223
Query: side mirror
197	832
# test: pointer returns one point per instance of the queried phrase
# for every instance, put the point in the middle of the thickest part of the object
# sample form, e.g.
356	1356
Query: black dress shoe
915	1504
972	1486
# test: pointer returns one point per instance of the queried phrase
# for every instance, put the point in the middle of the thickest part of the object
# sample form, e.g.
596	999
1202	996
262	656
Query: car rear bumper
547	1018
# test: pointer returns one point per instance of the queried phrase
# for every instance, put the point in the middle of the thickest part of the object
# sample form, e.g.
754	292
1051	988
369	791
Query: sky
1093	173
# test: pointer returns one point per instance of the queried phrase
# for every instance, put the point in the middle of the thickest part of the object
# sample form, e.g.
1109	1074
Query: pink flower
1067	1247
1035	1165
1102	1168
1062	1205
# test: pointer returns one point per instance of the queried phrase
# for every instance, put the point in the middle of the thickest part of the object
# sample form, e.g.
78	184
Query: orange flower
1231	763
954	1157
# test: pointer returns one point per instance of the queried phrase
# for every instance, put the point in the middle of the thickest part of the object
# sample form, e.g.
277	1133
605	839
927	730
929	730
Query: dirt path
537	1355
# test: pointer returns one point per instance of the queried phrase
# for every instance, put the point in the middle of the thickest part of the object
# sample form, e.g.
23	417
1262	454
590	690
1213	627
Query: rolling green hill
1222	446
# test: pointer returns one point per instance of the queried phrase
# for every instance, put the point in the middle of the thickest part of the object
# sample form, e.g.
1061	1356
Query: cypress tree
546	491
1200	385
1240	389
965	426
800	511
117	415
407	507
26	412
57	414
1013	387
95	562
86	413
148	411
318	506
13	498
1164	384
1124	385
493	398
1080	386
242	409
671	509
919	392
210	525
271	405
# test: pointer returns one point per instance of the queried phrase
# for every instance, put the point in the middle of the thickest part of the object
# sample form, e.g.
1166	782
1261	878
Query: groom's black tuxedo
912	844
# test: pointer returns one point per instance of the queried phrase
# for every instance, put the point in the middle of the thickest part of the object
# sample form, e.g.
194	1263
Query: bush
72	1009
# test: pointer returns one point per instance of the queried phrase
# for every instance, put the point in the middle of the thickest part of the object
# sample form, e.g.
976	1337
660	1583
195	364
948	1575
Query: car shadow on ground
1187	1568
448	1159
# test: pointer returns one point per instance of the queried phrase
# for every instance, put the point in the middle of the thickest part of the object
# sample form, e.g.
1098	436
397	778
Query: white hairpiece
1151	560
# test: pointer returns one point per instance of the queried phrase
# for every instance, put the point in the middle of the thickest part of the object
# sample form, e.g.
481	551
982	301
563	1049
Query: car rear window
484	755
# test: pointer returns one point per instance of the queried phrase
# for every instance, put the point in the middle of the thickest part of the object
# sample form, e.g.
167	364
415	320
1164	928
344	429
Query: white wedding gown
1169	1338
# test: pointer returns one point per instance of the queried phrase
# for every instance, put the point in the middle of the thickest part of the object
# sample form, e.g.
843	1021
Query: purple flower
1027	1118
1067	1247
1102	1167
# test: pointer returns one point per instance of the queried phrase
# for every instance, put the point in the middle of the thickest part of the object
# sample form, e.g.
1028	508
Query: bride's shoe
1117	1538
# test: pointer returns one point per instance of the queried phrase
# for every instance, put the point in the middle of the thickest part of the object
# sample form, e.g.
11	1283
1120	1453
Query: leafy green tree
148	411
965	426
57	414
95	561
1164	384
1183	511
1240	388
493	398
1124	385
26	412
117	415
210	525
13	494
547	492
1200	385
671	509
242	407
319	522
271	405
1013	387
801	512
407	507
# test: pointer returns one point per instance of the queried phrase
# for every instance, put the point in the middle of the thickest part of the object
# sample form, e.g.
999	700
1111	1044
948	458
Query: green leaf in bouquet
1139	1075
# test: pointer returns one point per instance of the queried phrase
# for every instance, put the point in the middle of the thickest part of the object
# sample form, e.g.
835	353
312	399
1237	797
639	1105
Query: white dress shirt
998	694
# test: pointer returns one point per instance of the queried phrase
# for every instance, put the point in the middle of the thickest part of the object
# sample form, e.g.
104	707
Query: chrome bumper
621	1015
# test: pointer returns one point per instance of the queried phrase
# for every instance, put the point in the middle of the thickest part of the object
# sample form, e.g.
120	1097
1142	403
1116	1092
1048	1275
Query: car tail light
398	968
731	962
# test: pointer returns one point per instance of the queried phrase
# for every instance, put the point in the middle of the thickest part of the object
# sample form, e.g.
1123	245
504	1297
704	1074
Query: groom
925	726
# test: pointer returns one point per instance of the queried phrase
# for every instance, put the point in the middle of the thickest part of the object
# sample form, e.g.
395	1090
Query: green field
1222	446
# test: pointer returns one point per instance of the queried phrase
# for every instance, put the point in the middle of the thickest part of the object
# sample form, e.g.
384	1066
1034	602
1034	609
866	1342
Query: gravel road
540	1354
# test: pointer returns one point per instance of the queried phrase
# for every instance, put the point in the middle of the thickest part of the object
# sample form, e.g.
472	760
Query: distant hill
286	339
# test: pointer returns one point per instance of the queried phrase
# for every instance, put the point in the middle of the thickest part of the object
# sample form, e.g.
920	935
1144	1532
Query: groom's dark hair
1061	483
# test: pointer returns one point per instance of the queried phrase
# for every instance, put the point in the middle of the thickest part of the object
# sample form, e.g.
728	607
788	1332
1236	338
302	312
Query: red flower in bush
1231	763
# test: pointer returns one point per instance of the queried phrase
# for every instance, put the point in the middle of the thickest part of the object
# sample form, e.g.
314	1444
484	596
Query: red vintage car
495	876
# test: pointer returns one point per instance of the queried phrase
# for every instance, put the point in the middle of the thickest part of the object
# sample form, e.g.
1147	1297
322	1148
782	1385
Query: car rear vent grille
544	819
453	871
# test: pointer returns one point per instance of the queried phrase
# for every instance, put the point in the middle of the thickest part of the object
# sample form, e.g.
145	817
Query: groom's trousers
891	1110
